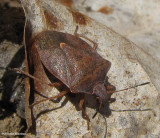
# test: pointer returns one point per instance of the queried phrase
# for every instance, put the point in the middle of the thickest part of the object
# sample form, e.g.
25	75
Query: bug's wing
55	62
51	55
86	67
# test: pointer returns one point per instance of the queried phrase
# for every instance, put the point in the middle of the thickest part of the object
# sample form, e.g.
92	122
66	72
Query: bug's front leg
81	108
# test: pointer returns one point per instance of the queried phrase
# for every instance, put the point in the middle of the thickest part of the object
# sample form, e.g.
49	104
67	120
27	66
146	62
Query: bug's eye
110	88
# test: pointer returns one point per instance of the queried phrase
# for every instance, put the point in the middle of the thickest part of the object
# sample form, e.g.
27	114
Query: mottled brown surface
52	21
106	10
68	3
79	18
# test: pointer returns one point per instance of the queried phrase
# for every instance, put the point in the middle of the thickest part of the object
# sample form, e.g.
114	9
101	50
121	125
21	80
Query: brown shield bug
76	64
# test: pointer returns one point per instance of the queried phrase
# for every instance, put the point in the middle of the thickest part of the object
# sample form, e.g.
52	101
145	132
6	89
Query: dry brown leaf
125	71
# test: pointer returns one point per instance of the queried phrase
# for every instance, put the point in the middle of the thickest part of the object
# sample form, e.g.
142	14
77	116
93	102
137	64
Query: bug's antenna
109	92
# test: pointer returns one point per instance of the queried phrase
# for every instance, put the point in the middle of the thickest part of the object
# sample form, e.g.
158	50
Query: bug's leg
100	103
81	108
56	84
79	35
51	98
100	106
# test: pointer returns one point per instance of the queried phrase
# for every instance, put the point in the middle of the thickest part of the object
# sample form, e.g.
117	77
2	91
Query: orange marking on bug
62	45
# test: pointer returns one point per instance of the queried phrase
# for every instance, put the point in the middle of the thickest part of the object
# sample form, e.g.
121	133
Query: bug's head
100	90
103	93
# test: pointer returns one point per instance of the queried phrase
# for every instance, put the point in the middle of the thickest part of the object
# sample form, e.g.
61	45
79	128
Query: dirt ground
12	19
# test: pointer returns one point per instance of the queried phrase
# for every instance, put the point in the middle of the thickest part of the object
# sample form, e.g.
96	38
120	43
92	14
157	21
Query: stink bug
76	64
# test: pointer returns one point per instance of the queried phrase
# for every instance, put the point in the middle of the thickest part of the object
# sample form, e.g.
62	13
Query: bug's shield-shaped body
71	60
